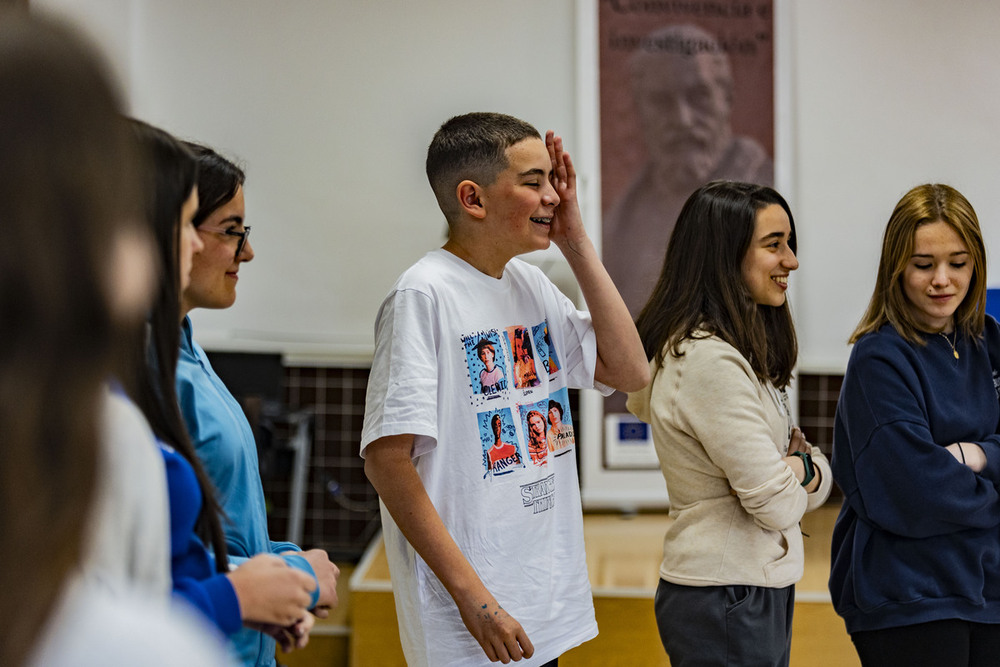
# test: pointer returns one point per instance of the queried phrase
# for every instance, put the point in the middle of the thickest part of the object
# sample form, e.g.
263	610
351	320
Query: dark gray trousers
735	626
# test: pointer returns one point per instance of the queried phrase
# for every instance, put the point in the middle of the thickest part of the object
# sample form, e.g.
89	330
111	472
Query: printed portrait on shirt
560	435
543	346
487	363
535	426
521	350
501	454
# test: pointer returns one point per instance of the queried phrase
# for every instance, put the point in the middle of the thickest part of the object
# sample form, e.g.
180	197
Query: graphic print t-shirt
516	518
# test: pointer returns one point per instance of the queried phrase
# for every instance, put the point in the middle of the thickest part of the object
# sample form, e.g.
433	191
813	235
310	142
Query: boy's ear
470	199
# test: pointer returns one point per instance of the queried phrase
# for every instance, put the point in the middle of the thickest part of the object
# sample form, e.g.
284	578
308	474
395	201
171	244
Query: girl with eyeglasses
218	428
263	592
82	490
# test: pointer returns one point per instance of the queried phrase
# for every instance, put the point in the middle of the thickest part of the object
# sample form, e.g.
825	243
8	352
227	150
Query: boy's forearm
399	486
391	471
621	360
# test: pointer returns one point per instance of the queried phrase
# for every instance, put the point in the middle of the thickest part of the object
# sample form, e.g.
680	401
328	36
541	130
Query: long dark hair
68	193
701	286
218	180
173	175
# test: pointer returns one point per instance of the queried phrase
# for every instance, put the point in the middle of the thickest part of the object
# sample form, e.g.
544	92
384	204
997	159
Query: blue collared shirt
224	441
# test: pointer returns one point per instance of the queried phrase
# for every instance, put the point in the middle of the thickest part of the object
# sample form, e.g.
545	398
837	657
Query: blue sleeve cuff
228	615
215	598
234	561
281	547
300	563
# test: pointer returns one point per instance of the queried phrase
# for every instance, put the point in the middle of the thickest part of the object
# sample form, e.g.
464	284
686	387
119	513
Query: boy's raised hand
567	224
621	360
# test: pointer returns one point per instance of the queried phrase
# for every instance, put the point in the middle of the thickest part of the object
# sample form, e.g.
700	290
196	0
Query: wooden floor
623	557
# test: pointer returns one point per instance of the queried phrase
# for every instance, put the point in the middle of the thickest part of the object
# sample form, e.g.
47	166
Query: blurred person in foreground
73	276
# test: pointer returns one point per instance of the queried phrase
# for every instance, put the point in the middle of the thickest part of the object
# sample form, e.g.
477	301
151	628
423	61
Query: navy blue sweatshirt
918	537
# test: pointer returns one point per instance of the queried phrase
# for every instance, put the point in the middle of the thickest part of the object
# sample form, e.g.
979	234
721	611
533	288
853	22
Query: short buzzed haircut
471	147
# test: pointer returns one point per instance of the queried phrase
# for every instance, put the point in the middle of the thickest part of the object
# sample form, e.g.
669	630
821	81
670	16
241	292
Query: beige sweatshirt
718	429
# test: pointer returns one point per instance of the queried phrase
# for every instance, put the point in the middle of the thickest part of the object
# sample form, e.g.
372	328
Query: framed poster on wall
678	94
686	94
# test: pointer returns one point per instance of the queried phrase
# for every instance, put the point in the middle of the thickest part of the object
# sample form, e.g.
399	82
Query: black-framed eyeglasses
242	236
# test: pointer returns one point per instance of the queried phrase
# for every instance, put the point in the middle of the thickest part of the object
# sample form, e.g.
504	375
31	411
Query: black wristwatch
807	462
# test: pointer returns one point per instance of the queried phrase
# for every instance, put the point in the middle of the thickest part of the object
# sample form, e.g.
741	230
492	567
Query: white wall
886	95
331	104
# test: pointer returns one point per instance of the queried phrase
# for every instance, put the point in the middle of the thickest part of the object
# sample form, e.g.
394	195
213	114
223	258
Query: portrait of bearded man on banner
683	99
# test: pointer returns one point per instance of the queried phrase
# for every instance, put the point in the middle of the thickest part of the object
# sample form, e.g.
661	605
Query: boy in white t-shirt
485	554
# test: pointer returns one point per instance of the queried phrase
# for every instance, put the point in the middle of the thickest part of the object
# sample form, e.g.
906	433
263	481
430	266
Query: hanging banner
686	97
